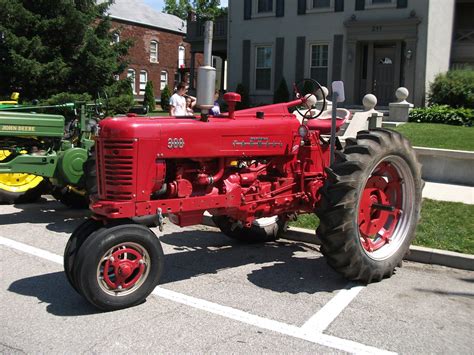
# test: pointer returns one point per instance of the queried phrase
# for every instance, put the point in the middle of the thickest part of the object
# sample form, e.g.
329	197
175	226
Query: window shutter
246	63
300	54
280	8
339	6
247	9
337	57
279	54
401	4
360	5
301	7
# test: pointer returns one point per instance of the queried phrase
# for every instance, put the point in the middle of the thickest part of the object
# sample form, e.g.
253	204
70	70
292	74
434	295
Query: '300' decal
174	143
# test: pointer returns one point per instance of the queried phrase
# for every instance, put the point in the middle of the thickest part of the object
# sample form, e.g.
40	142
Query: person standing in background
178	101
216	109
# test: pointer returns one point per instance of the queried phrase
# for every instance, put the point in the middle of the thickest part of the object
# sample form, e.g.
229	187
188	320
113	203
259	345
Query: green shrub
454	88
120	97
149	99
244	97
281	93
165	98
67	97
443	114
64	98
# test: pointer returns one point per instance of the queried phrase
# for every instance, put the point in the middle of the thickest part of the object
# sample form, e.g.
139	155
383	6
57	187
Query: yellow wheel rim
17	182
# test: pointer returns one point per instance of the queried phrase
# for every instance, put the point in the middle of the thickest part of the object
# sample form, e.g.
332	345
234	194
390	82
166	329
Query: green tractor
41	152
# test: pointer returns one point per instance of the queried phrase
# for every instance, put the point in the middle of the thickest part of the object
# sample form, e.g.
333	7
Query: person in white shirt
178	101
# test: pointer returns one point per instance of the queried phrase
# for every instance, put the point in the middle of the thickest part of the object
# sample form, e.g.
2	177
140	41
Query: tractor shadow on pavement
57	217
54	289
278	266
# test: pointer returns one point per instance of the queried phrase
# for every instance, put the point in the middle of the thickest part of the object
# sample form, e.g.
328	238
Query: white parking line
305	332
326	315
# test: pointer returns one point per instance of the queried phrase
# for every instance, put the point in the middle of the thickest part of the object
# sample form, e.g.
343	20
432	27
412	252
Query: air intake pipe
206	80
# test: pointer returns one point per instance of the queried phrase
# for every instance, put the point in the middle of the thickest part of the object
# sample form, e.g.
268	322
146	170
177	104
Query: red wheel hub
380	207
123	268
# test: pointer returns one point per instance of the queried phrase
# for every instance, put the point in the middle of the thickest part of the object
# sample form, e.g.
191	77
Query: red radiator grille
116	160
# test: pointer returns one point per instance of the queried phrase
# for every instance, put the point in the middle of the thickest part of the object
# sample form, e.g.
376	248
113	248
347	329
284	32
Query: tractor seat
323	122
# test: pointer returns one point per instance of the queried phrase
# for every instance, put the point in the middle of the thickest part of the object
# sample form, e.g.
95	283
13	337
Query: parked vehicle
254	170
42	152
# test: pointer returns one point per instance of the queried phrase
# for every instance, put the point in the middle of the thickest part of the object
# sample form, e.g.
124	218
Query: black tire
90	174
355	222
28	196
78	237
110	240
257	233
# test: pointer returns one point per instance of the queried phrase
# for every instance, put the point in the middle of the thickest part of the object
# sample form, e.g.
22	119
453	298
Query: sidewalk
446	192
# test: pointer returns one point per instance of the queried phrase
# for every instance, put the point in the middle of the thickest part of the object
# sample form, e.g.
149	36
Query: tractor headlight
303	131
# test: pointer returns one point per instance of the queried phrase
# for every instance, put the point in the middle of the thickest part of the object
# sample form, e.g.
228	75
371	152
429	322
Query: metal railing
196	29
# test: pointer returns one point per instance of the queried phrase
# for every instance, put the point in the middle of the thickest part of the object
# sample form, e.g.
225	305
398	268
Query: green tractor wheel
20	188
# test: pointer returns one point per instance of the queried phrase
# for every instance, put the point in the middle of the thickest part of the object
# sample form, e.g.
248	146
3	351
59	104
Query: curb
418	254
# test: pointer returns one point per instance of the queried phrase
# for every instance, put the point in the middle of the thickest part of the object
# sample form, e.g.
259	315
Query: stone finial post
369	118
320	99
375	117
400	110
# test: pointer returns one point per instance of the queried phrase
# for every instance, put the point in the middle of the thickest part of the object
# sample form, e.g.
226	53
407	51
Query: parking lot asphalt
217	295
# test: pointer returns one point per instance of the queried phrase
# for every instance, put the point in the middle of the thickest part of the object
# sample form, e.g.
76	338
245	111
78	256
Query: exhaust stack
206	80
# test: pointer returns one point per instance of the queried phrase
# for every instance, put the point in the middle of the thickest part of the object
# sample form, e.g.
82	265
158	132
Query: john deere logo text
19	128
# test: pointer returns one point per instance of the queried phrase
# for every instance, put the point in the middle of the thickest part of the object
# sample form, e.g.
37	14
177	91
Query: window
263	68
181	56
154	51
265	6
131	76
377	4
318	4
319	63
163	79
143	80
115	38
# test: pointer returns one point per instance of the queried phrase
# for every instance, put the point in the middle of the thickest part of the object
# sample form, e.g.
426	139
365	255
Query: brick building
159	53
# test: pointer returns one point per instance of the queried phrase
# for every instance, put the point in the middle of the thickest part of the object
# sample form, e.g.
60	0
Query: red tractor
254	170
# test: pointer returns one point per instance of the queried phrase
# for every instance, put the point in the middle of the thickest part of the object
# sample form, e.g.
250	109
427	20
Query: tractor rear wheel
370	206
118	266
18	187
262	230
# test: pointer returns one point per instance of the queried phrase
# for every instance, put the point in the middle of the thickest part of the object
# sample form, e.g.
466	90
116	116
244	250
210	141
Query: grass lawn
436	135
443	225
158	113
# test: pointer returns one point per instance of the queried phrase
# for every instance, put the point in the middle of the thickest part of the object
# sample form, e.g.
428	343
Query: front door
384	72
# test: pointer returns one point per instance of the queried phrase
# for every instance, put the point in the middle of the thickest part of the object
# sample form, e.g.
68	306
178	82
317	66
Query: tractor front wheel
262	230
118	266
370	206
78	237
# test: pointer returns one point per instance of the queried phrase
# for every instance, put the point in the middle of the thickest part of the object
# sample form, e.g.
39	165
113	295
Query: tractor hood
219	137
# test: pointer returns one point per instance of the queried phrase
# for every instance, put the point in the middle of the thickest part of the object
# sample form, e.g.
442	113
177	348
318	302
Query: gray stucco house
374	46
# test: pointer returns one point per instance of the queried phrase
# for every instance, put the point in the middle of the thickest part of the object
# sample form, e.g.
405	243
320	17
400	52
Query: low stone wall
447	166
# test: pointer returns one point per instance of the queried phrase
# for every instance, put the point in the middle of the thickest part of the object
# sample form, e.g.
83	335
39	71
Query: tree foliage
165	98
149	99
48	47
204	9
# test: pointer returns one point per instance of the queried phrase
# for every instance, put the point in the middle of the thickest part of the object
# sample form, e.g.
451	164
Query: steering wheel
101	104
307	90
